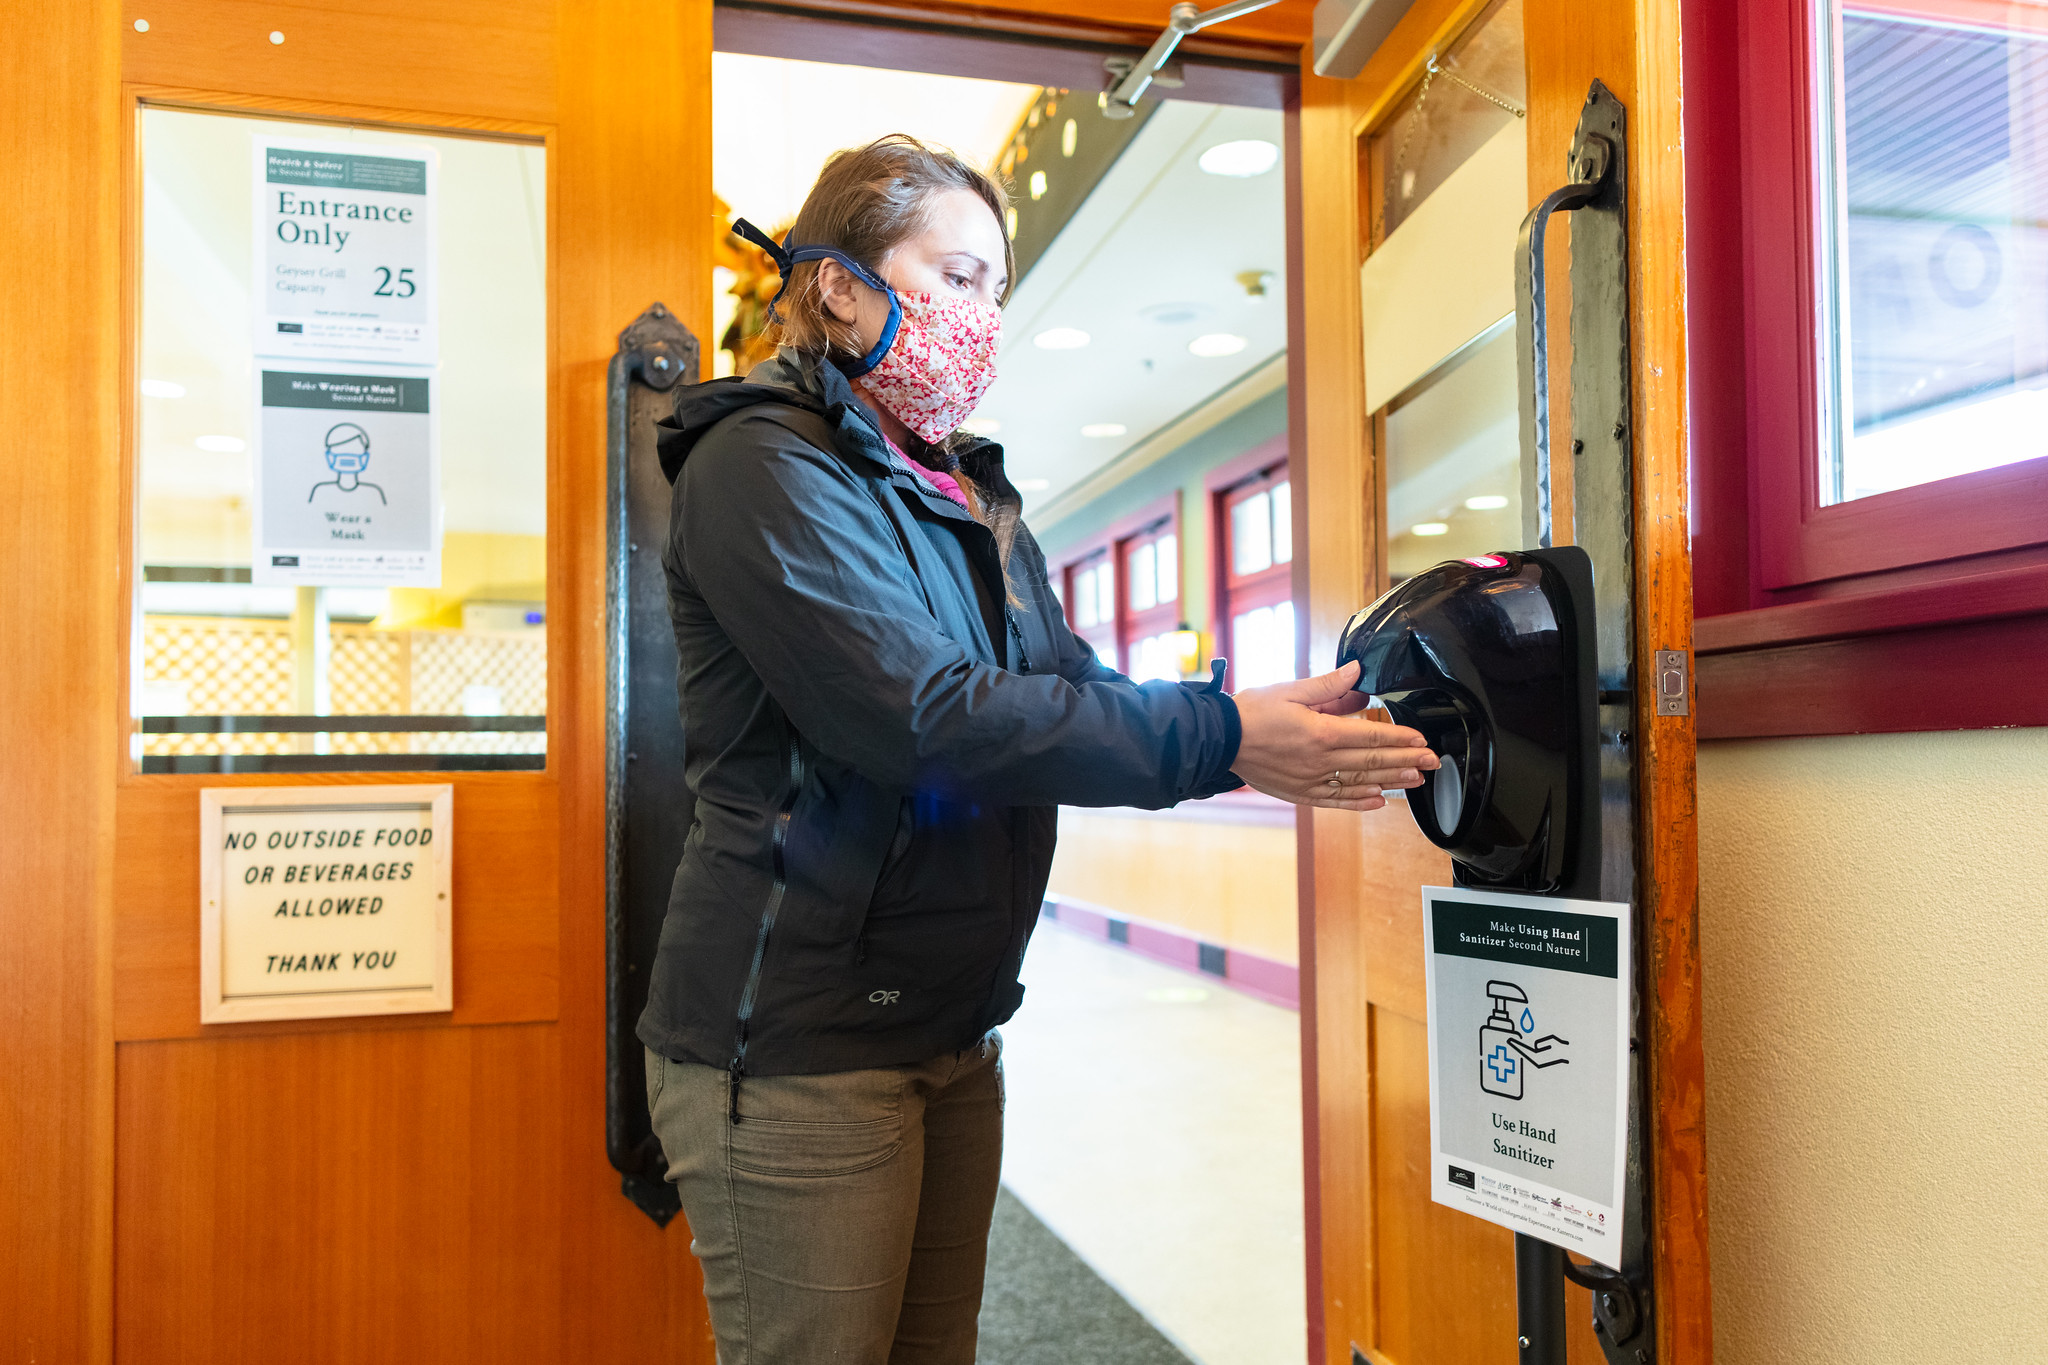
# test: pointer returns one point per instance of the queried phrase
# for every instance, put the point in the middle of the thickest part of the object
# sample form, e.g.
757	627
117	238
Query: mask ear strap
787	258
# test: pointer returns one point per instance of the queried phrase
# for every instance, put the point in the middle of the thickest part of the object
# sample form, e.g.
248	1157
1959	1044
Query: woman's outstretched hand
1299	736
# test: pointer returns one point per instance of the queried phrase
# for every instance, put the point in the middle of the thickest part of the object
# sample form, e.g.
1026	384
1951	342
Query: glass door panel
342	508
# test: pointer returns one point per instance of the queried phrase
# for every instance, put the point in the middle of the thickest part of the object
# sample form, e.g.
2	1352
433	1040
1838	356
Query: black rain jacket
875	738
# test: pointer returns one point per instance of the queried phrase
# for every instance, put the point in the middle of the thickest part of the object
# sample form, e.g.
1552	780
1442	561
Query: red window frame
1812	619
1112	640
1134	624
1258	470
1102	635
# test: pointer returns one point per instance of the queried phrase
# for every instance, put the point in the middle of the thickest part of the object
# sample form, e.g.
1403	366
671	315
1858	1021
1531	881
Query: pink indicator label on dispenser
1488	561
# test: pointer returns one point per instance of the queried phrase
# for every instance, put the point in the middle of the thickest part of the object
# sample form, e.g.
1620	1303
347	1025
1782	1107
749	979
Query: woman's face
958	255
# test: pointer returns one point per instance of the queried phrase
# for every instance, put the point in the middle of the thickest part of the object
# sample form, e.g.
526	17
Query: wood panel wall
1403	1279
60	384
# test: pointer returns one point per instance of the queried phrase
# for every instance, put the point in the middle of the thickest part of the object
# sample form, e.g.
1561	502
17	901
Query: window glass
1251	534
1144	576
1937	182
1084	599
1283	523
1453	462
1155	657
1105	592
376	415
1480	82
1263	643
1168	563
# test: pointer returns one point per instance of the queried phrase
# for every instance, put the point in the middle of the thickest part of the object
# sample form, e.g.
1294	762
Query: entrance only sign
1528	1062
323	901
345	251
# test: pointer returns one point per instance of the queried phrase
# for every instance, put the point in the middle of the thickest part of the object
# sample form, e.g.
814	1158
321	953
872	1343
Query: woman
882	706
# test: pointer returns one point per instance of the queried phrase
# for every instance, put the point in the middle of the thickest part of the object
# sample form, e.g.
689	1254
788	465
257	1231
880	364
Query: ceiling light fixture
1038	184
1486	502
162	388
1240	160
1060	339
220	445
1216	344
981	426
1105	429
1429	528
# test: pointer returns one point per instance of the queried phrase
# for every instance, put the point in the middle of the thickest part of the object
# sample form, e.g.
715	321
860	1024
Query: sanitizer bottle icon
1504	1058
1500	1057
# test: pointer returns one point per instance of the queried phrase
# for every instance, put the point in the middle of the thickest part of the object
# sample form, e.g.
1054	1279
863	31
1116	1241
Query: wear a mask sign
348	488
348	479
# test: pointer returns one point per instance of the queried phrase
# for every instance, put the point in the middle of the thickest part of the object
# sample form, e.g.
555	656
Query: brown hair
867	202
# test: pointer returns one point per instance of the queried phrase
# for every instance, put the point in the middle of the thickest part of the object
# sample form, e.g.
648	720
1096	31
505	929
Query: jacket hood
794	379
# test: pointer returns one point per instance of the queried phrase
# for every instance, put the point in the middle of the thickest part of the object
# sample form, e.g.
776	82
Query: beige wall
1874	925
1225	882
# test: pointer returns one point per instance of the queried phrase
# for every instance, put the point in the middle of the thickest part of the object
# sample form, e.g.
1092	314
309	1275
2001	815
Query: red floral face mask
942	361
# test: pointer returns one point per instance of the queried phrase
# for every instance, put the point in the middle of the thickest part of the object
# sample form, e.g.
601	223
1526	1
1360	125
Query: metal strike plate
1673	676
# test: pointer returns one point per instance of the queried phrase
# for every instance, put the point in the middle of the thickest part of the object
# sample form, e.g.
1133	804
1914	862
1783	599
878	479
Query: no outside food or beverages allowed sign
1528	1062
324	901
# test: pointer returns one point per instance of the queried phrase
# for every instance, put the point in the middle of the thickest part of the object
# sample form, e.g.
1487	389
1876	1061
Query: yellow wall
1224	883
1874	926
474	565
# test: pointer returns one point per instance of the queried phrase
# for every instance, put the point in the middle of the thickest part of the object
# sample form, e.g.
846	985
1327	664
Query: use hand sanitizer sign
1528	1062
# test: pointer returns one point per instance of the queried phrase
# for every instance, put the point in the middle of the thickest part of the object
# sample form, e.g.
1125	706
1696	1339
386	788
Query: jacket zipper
1017	634
736	1071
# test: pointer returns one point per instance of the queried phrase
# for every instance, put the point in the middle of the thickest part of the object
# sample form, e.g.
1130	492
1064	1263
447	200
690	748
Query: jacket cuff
1219	778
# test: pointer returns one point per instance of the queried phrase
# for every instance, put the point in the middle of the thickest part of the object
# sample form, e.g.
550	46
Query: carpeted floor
1044	1306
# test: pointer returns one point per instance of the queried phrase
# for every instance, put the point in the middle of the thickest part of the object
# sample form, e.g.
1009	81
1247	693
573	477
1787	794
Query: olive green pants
844	1218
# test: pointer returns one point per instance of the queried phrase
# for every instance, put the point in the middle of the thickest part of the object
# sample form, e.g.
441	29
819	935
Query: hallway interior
1154	1128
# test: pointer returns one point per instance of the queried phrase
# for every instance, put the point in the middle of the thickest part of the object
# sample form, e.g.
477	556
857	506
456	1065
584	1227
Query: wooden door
429	1187
1404	1281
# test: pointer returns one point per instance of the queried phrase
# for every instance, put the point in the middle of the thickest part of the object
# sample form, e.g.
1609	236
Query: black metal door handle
1594	159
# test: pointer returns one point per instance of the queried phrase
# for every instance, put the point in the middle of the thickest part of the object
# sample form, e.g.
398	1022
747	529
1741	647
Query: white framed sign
347	478
1528	1062
323	901
344	253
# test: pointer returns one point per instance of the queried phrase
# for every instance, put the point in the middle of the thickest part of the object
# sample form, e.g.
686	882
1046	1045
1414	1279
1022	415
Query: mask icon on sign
348	455
1503	1057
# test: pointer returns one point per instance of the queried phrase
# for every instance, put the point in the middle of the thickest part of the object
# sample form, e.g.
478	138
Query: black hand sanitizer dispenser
1493	659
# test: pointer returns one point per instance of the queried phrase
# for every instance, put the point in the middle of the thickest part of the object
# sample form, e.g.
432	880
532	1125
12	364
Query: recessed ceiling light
162	388
1060	339
221	445
1038	184
1104	429
981	426
1033	485
1216	344
1253	156
1486	502
1429	528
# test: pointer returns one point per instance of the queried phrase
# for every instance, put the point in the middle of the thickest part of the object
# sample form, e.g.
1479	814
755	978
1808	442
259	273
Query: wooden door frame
1634	46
